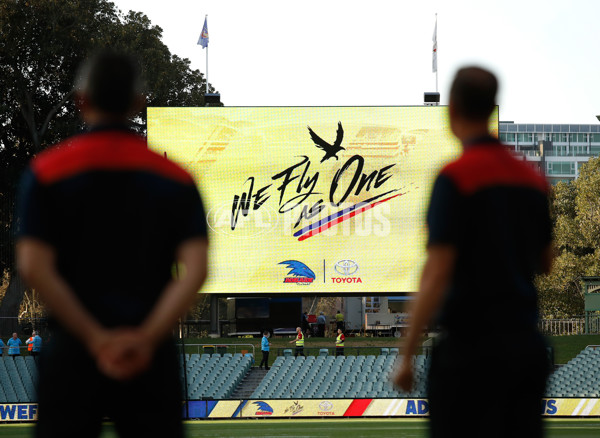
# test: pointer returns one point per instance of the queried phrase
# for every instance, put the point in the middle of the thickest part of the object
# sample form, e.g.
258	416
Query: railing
570	326
348	351
23	350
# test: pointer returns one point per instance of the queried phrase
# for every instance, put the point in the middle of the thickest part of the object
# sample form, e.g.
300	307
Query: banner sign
19	412
311	200
294	408
385	407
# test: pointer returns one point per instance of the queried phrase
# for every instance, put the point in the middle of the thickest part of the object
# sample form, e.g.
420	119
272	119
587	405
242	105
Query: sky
358	53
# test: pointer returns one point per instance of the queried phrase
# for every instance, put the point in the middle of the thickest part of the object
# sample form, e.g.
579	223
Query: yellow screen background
222	147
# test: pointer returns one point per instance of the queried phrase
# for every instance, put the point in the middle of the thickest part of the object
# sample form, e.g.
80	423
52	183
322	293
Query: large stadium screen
309	200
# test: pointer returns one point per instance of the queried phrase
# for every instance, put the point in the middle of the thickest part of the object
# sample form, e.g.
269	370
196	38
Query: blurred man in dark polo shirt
489	234
102	220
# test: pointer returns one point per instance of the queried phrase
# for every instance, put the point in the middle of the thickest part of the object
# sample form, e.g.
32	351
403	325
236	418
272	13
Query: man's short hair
111	81
266	332
473	93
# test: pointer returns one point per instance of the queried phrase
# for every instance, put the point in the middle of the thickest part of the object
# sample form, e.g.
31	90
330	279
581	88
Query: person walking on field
265	346
102	221
339	343
299	342
482	251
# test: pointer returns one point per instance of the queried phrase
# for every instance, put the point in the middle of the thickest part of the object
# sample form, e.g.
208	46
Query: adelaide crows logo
263	408
299	273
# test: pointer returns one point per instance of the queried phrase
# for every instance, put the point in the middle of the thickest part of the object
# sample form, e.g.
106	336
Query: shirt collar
481	140
110	127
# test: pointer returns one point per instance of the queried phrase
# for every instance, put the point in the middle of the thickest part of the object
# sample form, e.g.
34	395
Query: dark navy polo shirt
494	210
115	212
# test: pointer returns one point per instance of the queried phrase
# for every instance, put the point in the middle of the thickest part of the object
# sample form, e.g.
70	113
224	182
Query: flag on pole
203	40
434	61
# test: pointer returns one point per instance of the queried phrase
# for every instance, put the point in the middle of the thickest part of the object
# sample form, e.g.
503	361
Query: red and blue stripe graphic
340	216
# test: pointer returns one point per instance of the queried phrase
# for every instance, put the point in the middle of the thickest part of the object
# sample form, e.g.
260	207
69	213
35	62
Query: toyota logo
346	267
326	406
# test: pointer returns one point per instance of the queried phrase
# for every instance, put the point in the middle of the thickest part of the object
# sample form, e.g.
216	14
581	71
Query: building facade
558	150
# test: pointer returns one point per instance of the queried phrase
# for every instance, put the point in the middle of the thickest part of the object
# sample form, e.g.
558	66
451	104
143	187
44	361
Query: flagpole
206	92
436	69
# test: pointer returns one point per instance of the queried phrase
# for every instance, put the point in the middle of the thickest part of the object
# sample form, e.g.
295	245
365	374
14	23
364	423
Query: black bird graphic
331	150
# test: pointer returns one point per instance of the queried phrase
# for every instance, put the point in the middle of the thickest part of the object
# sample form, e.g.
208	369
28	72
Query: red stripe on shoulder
103	151
486	166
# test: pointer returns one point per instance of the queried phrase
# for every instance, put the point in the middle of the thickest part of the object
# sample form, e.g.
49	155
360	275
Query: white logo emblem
326	406
346	267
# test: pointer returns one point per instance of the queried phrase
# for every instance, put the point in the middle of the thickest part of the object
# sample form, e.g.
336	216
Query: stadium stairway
214	376
249	384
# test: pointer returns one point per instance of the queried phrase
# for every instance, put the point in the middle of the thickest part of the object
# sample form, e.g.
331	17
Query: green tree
576	218
42	42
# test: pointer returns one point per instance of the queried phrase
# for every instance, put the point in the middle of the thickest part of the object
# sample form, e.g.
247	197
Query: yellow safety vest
339	342
300	340
339	317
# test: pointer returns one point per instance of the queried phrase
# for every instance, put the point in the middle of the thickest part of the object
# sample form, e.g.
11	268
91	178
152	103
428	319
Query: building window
578	151
595	138
559	151
560	168
525	137
582	138
507	137
561	138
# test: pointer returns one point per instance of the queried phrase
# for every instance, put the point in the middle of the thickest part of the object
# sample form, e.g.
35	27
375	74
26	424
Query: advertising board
311	200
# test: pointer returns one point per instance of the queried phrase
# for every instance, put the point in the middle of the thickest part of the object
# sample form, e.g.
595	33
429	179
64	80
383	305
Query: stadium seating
214	375
580	377
320	376
337	377
17	377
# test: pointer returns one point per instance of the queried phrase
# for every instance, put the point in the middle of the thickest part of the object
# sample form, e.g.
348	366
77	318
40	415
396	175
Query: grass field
323	428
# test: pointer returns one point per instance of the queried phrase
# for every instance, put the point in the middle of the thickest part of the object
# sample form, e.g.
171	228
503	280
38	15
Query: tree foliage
42	43
576	217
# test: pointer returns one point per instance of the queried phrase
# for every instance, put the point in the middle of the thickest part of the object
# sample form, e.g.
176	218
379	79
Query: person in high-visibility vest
34	344
339	343
299	342
339	320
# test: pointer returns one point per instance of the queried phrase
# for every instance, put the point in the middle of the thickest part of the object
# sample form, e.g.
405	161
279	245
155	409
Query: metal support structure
214	316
